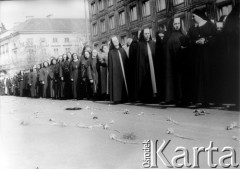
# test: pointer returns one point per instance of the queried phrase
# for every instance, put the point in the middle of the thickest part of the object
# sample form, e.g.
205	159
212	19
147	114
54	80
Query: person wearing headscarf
230	91
26	91
118	72
103	72
201	38
160	61
132	67
146	88
43	78
66	83
20	83
32	82
95	70
58	78
86	75
51	78
75	69
171	64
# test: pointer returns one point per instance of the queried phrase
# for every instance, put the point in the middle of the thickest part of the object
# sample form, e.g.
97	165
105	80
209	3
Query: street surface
42	134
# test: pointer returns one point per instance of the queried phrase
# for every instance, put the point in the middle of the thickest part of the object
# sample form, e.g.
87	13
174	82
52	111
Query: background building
125	17
37	39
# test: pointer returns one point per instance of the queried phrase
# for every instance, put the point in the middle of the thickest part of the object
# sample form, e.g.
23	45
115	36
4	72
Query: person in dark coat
95	69
75	75
15	85
103	72
230	91
20	83
201	38
58	78
159	60
172	63
43	78
86	75
66	83
132	67
146	89
117	65
32	82
52	78
26	91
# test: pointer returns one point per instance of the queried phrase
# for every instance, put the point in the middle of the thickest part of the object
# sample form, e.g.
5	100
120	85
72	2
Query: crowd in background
199	67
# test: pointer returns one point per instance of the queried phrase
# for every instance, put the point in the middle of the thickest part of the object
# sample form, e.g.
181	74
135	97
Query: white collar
202	23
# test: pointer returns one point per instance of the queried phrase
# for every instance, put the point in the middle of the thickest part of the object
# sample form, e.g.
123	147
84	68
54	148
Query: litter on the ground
126	111
114	137
73	108
232	126
171	120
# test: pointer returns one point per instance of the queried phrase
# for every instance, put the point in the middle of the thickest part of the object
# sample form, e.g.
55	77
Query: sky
15	11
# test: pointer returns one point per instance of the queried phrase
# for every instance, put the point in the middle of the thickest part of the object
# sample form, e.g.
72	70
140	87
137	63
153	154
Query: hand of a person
91	81
71	79
61	78
200	41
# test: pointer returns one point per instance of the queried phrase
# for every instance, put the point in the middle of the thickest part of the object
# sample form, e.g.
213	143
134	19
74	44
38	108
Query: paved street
41	133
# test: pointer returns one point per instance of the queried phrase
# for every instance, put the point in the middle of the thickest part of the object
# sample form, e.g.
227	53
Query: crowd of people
197	67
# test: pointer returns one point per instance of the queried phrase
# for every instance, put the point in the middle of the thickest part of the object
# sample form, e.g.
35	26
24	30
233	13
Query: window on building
44	51
176	2
101	5
43	40
66	40
110	3
111	22
6	45
133	13
93	8
96	46
146	8
103	26
94	27
55	40
55	51
67	49
161	5
122	18
123	39
224	10
29	42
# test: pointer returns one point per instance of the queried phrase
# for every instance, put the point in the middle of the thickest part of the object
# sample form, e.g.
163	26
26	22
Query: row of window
4	48
160	4
221	10
146	11
43	40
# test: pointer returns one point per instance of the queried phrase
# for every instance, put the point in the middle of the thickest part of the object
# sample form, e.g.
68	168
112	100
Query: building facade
125	17
36	40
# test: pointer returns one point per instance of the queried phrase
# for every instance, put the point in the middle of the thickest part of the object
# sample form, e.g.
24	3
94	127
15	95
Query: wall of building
21	51
157	19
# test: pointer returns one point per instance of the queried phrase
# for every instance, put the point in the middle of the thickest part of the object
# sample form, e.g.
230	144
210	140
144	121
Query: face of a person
69	55
115	42
86	55
45	64
60	58
176	24
94	53
75	56
146	34
64	57
54	61
161	35
105	49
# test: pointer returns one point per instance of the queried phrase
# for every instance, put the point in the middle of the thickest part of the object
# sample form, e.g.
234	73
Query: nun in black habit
145	82
201	38
117	64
